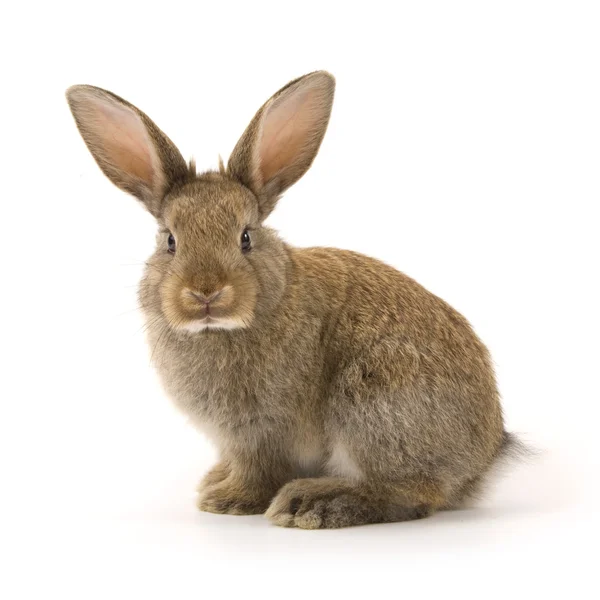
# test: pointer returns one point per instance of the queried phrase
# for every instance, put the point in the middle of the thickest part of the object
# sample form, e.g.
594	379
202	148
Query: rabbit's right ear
283	139
129	148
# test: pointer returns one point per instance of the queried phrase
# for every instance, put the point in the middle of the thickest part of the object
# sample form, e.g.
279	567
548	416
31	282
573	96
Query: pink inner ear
122	139
288	127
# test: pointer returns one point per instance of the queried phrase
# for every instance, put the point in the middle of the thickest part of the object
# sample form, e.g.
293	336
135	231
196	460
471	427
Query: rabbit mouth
194	308
210	322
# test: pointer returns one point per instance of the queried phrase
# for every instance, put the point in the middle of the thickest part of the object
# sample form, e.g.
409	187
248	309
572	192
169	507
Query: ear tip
80	87
71	91
325	77
82	92
322	81
76	92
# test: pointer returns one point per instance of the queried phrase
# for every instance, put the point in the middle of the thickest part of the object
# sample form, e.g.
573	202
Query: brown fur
343	392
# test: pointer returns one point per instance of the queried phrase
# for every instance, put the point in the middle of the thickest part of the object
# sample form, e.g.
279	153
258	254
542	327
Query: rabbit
336	389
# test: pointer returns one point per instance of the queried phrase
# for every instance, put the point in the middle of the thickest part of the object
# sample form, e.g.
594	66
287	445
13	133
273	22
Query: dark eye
246	243
171	243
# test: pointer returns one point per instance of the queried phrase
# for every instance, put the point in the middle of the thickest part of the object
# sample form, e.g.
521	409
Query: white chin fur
196	326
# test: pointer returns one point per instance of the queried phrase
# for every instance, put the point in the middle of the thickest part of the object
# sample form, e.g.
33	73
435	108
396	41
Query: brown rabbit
337	390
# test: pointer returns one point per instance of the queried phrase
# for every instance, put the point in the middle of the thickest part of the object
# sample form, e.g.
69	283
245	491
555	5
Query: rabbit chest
238	385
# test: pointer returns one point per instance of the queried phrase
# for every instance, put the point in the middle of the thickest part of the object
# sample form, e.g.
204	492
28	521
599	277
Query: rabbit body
337	390
358	373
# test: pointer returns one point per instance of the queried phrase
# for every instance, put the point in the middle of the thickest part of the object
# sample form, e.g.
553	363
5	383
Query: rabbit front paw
231	500
216	475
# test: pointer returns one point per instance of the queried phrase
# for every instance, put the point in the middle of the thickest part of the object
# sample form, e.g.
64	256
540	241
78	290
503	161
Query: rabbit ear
129	148
283	139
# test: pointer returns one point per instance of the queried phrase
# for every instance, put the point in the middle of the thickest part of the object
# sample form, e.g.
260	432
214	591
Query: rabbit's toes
308	505
230	502
328	503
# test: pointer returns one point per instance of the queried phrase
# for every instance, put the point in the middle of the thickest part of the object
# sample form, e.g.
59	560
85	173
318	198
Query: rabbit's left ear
129	148
283	139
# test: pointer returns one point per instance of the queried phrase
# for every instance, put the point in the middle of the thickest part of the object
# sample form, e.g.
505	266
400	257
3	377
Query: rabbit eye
246	243
171	245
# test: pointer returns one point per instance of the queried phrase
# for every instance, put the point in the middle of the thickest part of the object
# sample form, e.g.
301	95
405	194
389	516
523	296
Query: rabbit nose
206	298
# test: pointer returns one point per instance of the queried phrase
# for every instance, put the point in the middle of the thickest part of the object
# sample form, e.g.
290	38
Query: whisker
149	323
166	332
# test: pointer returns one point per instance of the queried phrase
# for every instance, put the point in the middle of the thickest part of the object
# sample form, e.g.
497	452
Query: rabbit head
215	265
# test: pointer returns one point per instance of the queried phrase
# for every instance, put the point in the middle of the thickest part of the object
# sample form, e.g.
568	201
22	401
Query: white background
464	149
